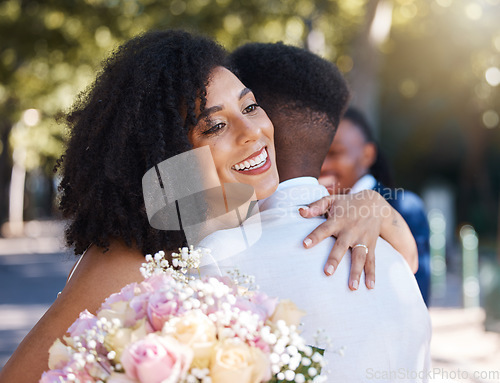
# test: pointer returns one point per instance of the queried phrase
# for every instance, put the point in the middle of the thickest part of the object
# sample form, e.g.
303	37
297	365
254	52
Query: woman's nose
249	130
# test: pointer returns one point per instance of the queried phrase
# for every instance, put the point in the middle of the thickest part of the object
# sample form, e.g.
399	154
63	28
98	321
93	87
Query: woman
153	100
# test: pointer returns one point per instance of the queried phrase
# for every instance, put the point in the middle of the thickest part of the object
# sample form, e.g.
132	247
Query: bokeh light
496	42
473	11
408	88
345	63
444	3
490	119
31	117
492	76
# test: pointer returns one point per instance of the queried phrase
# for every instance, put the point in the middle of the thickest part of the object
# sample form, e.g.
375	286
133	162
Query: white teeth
254	163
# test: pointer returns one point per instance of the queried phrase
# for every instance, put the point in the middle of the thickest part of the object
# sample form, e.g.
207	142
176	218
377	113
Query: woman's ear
369	155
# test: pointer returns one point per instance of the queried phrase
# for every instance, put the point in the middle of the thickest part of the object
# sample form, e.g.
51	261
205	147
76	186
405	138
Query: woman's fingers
339	249
347	221
324	230
317	208
370	267
358	260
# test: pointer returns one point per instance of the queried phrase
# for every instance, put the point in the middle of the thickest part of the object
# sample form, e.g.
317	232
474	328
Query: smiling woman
239	133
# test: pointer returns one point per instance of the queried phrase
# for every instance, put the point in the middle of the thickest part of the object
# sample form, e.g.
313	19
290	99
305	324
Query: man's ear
369	155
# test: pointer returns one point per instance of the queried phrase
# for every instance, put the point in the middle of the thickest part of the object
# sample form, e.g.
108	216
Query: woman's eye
251	108
215	128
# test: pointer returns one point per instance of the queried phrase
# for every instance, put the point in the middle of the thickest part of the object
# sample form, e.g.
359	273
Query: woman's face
348	159
239	133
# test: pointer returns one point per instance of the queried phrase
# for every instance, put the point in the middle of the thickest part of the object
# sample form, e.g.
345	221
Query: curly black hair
303	94
136	114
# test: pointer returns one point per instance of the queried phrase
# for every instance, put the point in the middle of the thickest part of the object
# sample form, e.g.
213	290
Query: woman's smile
256	163
239	133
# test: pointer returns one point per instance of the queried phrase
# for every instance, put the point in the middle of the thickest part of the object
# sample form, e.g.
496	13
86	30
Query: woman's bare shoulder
98	275
101	273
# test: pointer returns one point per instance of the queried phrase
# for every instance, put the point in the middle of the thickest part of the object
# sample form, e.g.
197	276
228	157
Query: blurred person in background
355	163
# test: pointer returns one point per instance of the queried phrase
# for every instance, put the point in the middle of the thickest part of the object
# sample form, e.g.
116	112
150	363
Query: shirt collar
298	191
367	182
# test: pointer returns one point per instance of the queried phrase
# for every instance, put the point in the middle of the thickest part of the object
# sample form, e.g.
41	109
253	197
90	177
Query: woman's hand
359	218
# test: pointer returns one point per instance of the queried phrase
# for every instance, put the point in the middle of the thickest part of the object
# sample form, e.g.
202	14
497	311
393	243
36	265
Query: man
354	163
380	331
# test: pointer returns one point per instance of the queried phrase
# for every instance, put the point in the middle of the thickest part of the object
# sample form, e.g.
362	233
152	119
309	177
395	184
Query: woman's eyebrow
208	111
245	92
217	108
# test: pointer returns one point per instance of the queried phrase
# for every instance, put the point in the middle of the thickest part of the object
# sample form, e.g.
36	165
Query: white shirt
385	331
367	182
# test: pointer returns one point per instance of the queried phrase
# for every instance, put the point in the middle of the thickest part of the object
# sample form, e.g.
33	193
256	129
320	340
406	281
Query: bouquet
173	327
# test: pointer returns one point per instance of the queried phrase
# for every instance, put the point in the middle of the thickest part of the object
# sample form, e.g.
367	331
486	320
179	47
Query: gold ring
361	245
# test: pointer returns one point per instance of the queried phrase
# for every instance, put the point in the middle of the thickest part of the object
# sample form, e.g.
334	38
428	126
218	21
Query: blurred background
426	73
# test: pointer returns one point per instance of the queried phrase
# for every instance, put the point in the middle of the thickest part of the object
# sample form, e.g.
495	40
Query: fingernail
371	284
308	242
355	285
330	269
305	207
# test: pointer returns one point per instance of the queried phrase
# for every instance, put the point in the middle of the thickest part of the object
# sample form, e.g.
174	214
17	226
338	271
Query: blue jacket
411	208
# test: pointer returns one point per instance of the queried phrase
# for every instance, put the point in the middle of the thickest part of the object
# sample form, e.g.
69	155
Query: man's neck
288	174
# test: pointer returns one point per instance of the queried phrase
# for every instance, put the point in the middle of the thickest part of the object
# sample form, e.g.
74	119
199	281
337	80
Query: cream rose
58	354
287	311
235	361
120	339
120	310
196	330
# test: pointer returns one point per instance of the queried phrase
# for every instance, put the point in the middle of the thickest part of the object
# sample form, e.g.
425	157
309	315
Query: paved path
29	283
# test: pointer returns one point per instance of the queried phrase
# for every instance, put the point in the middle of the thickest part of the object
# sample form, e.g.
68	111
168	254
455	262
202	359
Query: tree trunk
5	170
363	79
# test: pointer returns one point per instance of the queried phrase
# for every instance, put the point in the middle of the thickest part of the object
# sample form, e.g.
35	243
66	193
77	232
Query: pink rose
85	321
140	305
259	304
158	282
161	309
265	304
157	359
57	376
117	377
125	294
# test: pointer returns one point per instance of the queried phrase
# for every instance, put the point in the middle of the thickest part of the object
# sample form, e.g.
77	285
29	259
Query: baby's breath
182	262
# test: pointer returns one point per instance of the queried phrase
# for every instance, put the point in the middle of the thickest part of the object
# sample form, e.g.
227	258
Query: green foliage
50	50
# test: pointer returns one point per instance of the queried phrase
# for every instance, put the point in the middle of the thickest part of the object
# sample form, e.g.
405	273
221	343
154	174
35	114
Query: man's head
303	94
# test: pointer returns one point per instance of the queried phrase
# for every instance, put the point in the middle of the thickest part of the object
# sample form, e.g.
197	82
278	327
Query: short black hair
303	94
358	118
136	114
